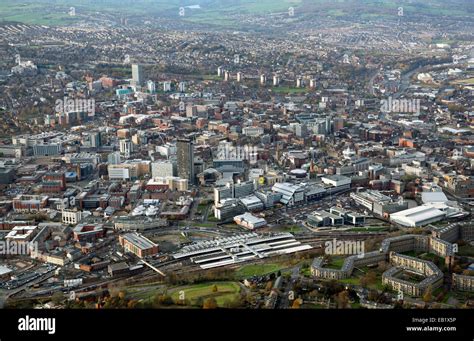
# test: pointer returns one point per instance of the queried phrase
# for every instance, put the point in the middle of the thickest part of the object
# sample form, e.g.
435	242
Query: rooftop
139	241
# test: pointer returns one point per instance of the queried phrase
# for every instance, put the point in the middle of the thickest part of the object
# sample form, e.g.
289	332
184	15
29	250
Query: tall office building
137	74
227	76
163	169
114	158
185	155
126	148
276	80
151	87
95	139
301	130
166	86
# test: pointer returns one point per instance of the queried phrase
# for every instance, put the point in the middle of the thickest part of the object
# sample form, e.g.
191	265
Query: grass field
226	292
335	263
466	250
291	228
250	270
356	281
211	77
352	281
288	90
468	81
306	272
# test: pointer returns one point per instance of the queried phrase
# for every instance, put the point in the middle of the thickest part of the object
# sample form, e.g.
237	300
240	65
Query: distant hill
224	12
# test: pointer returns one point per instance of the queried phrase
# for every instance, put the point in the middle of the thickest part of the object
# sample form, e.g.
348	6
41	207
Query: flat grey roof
139	241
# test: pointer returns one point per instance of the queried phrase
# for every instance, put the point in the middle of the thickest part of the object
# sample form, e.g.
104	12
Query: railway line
177	267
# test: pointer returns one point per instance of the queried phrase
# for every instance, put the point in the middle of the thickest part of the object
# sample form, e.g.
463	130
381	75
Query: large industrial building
239	248
291	194
138	245
426	214
249	221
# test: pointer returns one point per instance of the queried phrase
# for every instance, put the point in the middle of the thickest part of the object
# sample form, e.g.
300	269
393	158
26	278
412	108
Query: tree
162	299
166	300
297	303
209	303
428	295
122	294
382	266
371	277
57	297
342	299
373	295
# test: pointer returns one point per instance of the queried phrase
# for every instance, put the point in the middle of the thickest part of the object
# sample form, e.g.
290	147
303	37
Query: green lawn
466	250
201	208
335	263
469	81
352	281
212	218
288	90
211	77
429	256
410	253
306	272
291	229
226	292
356	281
250	270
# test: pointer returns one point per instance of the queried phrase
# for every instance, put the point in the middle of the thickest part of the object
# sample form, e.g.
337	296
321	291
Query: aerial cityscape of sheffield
236	155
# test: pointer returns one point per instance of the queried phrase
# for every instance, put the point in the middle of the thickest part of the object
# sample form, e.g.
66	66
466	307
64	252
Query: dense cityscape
291	155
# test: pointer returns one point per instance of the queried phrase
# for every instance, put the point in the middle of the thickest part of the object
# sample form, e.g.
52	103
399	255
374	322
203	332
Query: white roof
4	270
286	187
249	200
428	197
250	218
418	214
